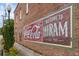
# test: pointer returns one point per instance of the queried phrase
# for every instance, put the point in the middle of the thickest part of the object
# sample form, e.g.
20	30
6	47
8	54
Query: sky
3	6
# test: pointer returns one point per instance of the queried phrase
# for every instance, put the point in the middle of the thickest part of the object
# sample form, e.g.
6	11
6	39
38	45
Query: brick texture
37	11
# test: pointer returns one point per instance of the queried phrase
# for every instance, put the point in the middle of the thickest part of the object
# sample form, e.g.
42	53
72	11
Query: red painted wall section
38	11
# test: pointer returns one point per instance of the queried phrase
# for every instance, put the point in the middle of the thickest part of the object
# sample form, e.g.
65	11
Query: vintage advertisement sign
33	31
55	28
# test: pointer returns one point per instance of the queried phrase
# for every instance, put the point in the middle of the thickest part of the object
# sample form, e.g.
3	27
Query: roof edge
16	7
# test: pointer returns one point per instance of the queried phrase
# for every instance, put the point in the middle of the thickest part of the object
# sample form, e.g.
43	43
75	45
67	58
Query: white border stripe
50	43
51	15
48	16
71	23
71	20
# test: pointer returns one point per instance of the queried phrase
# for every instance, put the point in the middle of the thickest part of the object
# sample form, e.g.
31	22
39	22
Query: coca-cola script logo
32	32
35	28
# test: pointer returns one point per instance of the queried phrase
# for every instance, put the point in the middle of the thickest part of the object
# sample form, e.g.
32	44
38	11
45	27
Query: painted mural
55	28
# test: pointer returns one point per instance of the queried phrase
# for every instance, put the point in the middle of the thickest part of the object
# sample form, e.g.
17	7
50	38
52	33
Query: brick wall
37	11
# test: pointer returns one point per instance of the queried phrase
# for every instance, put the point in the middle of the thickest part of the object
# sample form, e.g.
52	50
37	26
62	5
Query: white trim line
50	43
49	15
70	28
71	22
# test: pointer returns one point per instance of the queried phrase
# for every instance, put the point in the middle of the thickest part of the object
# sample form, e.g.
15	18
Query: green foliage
12	52
0	31
8	34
